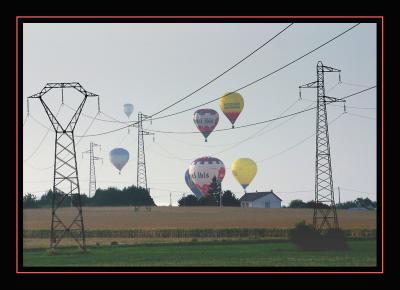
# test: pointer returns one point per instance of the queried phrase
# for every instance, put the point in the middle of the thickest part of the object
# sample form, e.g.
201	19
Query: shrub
308	239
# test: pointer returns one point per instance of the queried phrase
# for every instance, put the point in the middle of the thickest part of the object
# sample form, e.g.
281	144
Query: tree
229	199
29	201
47	199
188	200
210	200
131	195
311	204
214	192
297	203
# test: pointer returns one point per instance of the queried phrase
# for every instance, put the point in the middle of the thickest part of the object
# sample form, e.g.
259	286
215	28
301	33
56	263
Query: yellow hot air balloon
231	105
244	170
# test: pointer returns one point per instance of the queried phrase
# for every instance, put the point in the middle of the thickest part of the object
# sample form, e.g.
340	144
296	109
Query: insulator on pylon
340	80
344	107
299	93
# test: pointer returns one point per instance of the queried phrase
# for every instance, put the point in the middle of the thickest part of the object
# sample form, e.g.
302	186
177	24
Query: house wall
274	202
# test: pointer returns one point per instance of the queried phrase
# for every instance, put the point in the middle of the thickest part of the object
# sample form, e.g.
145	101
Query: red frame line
196	17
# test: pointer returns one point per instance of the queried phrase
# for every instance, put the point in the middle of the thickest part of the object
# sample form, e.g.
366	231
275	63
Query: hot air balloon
206	120
128	109
191	185
202	171
244	170
231	105
119	157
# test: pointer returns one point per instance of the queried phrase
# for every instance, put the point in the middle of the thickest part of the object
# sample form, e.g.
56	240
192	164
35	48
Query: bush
307	238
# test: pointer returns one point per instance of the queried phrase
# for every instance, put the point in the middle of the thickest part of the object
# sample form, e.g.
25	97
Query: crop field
114	218
125	226
194	236
206	254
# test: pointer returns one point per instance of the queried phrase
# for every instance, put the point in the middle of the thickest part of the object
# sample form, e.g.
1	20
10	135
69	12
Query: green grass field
239	253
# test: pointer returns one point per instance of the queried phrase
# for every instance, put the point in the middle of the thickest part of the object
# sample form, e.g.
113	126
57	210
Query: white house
260	200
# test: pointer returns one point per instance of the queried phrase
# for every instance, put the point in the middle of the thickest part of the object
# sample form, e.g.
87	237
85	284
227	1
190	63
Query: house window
267	204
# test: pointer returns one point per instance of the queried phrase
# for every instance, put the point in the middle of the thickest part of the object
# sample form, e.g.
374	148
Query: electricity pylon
141	160
92	169
325	216
65	170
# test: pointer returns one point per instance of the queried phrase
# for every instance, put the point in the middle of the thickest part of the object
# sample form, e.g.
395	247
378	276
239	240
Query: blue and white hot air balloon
128	109
119	157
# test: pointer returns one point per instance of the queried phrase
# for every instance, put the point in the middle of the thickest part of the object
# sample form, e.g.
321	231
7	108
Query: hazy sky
153	65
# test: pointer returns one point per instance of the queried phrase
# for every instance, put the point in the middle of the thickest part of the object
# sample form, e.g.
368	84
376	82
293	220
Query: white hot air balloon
119	157
202	171
128	109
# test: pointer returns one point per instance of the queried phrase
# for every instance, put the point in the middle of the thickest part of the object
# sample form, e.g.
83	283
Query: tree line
132	195
213	197
357	203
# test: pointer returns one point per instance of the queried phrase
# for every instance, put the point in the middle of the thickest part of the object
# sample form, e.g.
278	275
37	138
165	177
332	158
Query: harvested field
103	218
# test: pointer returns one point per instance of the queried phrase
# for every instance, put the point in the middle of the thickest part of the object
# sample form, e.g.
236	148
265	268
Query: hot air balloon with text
203	170
206	120
231	105
119	157
191	185
244	170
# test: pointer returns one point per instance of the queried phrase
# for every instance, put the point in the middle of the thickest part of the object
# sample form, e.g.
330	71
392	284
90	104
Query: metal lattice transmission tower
92	170
65	179
141	159
325	216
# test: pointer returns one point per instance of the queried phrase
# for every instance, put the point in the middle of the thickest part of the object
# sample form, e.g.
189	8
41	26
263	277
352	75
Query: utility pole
92	168
65	169
339	193
170	200
141	160
323	218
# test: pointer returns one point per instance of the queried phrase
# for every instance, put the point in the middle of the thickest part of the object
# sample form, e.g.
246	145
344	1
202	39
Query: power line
259	79
24	122
236	127
44	137
254	134
297	144
347	107
220	75
245	86
114	120
176	157
87	129
51	166
360	191
40	123
266	121
361	116
257	134
354	85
